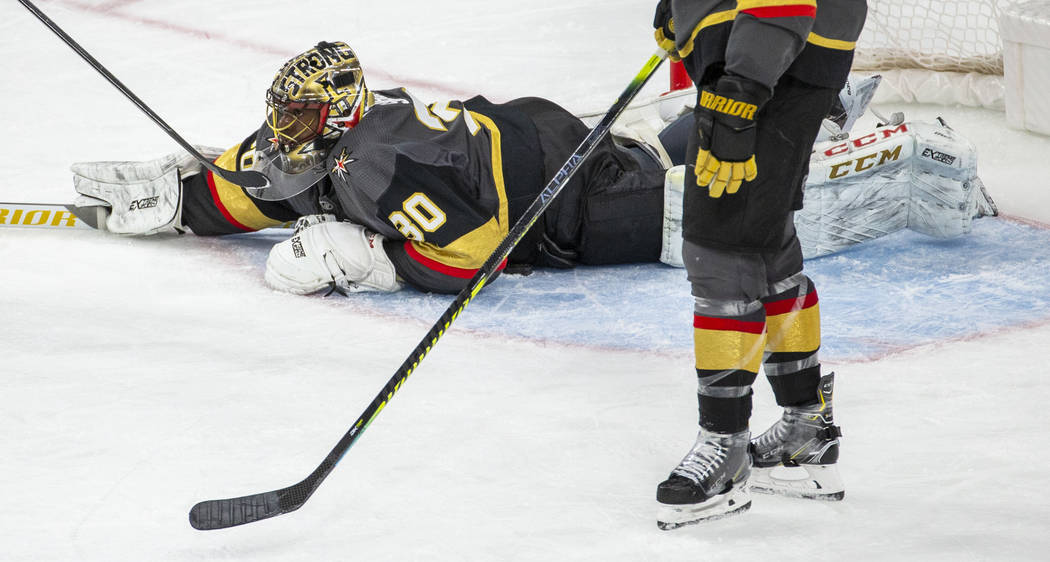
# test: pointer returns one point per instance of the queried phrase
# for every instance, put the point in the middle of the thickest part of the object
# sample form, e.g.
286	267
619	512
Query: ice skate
710	482
797	456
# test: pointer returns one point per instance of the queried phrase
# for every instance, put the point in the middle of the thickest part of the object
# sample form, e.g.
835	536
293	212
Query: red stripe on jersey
782	11
728	325
222	208
439	267
789	305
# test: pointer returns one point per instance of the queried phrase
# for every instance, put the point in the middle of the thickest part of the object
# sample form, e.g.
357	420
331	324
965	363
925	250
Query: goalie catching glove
142	197
725	117
327	254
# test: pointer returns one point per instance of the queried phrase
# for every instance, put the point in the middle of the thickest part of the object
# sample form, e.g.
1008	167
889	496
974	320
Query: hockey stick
64	216
246	178
220	514
49	215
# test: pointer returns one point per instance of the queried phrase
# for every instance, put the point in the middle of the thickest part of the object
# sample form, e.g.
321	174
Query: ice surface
140	376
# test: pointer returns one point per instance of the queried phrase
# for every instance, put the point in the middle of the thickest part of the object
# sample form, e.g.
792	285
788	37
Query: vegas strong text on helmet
313	99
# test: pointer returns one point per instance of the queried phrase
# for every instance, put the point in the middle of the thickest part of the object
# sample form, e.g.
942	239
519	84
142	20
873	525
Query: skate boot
710	482
803	448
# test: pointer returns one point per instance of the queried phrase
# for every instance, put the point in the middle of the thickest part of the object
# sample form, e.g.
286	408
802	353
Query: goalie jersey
444	182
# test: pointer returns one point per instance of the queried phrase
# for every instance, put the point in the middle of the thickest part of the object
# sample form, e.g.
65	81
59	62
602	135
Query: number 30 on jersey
418	214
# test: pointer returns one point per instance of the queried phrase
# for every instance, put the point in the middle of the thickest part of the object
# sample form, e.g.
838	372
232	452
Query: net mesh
946	35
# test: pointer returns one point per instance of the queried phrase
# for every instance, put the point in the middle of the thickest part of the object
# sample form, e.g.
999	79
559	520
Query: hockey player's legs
729	339
731	286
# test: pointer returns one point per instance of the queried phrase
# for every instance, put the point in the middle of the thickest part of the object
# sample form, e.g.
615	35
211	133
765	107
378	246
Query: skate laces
773	438
702	460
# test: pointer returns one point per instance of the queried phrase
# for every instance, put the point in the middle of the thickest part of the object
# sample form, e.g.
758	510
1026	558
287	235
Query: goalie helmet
314	98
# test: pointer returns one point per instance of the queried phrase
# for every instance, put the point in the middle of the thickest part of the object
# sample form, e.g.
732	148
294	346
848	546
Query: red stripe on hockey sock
222	208
727	325
782	11
439	267
790	305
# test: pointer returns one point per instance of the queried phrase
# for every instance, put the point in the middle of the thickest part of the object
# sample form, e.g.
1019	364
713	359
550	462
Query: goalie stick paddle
246	178
220	514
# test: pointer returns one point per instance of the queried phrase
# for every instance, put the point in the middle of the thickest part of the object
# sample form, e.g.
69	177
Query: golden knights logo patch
339	167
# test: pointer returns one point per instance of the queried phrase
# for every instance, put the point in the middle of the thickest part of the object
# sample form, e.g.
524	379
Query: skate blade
808	481
733	502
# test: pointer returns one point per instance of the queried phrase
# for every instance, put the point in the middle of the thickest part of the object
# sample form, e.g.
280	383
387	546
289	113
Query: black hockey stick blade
219	514
246	178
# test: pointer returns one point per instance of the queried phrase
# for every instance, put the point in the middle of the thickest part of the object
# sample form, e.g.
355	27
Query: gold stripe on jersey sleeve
232	197
709	20
729	15
743	5
828	43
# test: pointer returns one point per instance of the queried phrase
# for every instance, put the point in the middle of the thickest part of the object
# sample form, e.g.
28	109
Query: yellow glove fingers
706	166
711	169
750	169
736	176
718	187
723	177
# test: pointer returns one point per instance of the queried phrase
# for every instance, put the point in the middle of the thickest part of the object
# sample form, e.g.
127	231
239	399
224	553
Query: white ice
139	376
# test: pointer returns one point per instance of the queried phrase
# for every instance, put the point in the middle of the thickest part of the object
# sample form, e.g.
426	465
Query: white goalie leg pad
143	197
915	175
324	253
857	190
946	194
674	193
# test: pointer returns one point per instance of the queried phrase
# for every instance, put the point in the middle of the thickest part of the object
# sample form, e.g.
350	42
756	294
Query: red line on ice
111	10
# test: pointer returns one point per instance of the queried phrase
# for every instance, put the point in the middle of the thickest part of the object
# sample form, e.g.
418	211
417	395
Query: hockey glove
725	118
142	198
664	24
325	253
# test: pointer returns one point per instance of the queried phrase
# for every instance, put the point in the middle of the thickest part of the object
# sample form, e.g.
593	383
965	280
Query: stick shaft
246	178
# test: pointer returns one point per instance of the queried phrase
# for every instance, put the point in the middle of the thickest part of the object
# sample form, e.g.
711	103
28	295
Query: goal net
944	36
934	51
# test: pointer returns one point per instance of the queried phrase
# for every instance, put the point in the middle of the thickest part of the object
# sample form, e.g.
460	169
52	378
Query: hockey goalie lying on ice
387	190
